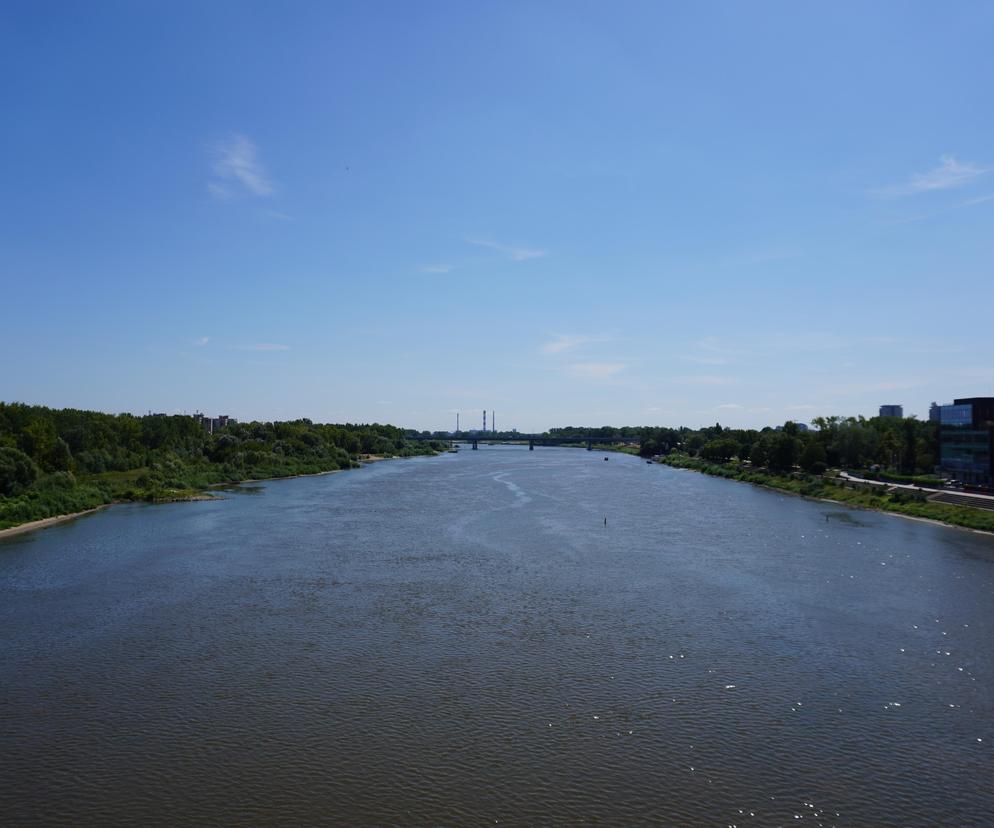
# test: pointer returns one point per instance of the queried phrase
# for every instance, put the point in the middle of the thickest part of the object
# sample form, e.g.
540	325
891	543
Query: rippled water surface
461	640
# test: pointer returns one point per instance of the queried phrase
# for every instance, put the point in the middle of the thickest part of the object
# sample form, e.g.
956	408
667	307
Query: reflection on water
240	488
848	518
461	640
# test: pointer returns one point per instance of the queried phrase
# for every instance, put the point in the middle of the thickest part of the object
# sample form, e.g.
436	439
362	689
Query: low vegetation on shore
796	459
899	449
63	461
899	501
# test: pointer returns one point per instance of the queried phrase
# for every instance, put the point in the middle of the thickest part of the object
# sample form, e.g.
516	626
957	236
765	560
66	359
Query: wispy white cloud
220	191
711	343
949	174
703	379
264	346
970	202
437	268
729	407
707	360
276	214
237	169
517	254
940	350
564	343
595	370
711	351
201	341
962	205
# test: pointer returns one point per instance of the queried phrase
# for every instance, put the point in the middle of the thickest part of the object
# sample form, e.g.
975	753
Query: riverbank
55	520
178	497
44	523
89	459
901	503
278	477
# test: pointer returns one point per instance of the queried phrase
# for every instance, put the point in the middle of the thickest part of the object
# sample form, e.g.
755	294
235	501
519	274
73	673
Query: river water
461	640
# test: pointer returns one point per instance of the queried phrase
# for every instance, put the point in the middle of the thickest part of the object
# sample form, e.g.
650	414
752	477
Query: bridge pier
475	446
590	445
531	445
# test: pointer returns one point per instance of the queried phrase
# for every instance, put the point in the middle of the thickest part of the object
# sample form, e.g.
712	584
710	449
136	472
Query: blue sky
572	213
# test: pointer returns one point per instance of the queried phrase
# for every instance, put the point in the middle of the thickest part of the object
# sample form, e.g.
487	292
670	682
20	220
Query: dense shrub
17	471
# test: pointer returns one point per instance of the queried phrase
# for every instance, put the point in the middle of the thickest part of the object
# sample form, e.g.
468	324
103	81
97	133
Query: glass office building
966	441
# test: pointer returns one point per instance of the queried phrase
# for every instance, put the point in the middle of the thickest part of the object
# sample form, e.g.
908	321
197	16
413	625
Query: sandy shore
861	508
179	499
44	523
284	477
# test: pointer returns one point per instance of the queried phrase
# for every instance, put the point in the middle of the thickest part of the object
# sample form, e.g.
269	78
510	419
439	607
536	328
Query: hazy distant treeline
905	446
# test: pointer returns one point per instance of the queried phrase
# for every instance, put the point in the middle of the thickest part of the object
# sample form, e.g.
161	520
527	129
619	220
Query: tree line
54	461
904	446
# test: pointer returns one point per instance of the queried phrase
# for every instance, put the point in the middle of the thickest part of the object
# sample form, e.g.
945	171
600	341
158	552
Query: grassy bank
899	502
619	447
62	493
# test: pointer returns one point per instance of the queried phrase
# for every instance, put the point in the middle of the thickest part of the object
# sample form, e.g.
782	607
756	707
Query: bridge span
535	440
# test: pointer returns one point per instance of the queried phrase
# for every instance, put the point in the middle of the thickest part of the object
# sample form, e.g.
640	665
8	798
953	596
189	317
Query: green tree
856	443
38	438
694	443
59	457
759	455
721	450
783	452
909	445
813	457
17	471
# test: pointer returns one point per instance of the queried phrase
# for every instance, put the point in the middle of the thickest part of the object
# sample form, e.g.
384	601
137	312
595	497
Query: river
461	640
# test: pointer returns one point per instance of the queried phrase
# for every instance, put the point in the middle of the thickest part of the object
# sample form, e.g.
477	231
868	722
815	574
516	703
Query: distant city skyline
645	215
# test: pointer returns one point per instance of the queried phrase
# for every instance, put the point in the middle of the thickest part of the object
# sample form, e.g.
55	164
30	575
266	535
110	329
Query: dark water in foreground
461	641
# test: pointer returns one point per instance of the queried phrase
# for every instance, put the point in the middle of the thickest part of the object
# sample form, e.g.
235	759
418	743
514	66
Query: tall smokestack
484	420
493	421
457	422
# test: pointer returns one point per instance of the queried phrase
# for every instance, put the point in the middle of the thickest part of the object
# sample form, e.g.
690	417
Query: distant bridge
535	440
